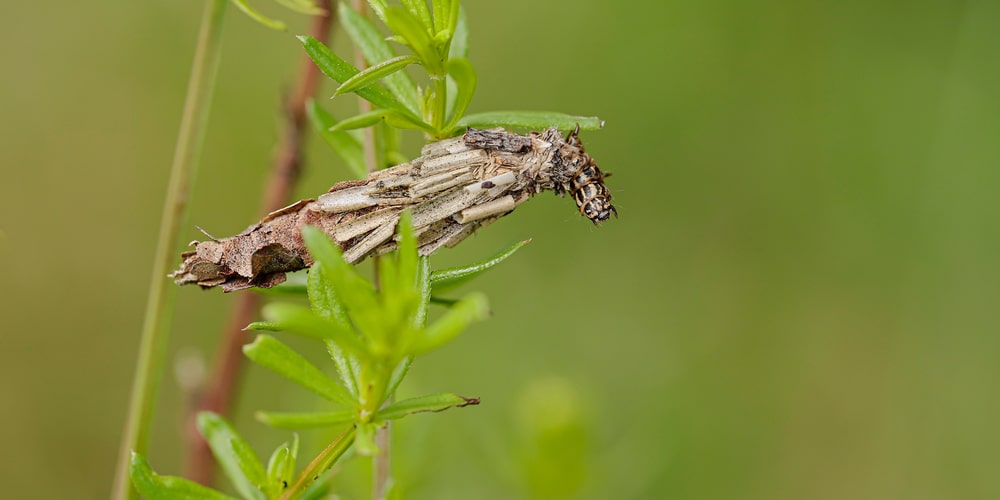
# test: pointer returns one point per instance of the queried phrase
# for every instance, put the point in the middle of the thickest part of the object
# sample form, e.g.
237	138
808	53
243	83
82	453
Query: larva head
587	183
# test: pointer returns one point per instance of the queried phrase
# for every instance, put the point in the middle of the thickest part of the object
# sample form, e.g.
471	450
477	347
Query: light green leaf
432	402
419	10
397	376
533	120
375	48
447	279
320	464
405	24
323	296
235	456
342	143
302	6
270	353
257	16
378	7
281	467
299	320
464	76
347	368
442	13
156	487
305	420
472	307
391	117
373	74
340	70
355	292
460	40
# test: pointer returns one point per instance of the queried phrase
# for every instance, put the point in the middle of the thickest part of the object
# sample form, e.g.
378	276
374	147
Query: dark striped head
587	185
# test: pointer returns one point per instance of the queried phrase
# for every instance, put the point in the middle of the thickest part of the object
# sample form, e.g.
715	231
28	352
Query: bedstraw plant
372	329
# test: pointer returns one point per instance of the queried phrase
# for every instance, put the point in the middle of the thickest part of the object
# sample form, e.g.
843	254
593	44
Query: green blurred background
799	300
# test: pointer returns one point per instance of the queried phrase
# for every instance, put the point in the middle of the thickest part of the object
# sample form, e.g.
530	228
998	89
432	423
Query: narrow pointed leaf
257	16
534	120
270	353
405	24
156	487
442	12
391	117
433	402
305	420
302	6
473	307
373	74
460	39
356	293
375	48
323	296
447	279
340	70
464	76
299	320
235	456
347	368
281	466
424	287
459	48
419	10
361	120
342	143
378	7
320	464
398	374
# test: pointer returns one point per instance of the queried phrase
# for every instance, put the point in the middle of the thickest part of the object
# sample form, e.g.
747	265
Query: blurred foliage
797	302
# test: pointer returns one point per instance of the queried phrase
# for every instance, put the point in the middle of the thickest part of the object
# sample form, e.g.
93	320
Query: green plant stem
159	306
440	101
321	463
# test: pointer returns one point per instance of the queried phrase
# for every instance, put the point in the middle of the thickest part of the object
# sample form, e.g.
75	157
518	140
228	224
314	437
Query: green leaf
378	7
257	16
342	143
433	402
534	120
355	292
347	368
299	320
405	24
472	307
460	40
447	279
281	466
391	117
323	296
407	251
306	420
302	6
270	353
340	70
375	48
464	76
235	456
320	464
364	441
424	287
419	10
442	13
373	74
398	374
156	487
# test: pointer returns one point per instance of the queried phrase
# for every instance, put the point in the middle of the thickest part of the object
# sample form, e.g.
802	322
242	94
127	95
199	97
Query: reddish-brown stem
220	390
